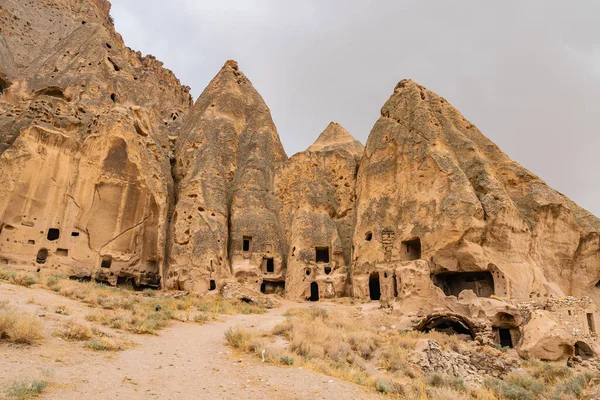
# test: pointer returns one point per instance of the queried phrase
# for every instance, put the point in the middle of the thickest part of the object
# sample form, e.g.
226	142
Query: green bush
23	390
287	360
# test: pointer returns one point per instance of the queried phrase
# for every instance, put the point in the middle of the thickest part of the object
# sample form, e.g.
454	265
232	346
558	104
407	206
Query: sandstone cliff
226	222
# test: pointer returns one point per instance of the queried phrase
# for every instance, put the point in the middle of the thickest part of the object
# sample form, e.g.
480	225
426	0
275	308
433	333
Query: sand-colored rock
84	156
545	339
432	187
316	190
226	220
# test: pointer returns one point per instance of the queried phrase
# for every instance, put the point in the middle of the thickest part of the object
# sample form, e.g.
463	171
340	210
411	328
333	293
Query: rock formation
316	191
226	221
110	173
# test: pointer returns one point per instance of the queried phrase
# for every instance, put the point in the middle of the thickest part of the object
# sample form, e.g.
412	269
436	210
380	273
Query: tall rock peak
335	136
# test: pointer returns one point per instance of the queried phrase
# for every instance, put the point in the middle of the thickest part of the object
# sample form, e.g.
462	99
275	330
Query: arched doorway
314	291
41	256
583	350
449	324
374	286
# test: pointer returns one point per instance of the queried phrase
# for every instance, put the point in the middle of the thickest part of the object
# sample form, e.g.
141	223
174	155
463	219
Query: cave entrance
505	338
270	265
314	291
212	285
53	234
482	283
583	350
322	254
268	287
411	249
448	324
246	243
374	286
106	262
41	256
3	85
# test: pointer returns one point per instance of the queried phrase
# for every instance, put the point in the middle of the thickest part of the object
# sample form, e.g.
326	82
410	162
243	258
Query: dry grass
17	326
108	344
361	351
132	311
75	330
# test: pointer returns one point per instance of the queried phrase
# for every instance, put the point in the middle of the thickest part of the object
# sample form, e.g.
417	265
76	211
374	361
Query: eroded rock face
316	190
110	173
84	151
226	221
430	186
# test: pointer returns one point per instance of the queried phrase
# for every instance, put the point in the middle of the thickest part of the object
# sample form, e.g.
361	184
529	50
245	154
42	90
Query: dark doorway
590	321
268	287
505	338
106	262
374	287
270	265
583	350
314	291
41	256
212	285
482	283
322	254
411	249
448	324
246	243
53	234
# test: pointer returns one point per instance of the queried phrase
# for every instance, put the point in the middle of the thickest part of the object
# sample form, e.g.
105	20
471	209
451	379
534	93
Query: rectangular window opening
62	252
247	242
270	265
74	234
322	254
590	321
106	262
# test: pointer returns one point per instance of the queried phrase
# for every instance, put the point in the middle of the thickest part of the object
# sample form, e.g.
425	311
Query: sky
526	73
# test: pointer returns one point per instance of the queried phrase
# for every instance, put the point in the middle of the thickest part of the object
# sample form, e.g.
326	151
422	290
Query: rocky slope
111	173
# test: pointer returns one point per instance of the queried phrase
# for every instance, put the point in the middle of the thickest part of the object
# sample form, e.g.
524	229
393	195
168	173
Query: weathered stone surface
109	172
84	150
226	156
544	338
432	187
316	190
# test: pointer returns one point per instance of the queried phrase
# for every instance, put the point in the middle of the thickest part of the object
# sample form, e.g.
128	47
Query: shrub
390	387
107	344
446	381
19	327
237	338
287	360
23	390
74	330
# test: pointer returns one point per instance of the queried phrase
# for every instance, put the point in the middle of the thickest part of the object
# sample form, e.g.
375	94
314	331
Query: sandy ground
185	361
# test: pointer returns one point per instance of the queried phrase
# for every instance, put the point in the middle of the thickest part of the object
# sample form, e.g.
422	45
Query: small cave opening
505	338
75	234
4	84
42	254
126	281
53	234
452	283
247	241
590	322
583	350
374	286
113	97
115	66
269	287
448	324
598	284
52	91
270	265
307	271
62	252
369	236
106	262
212	285
314	291
322	254
327	270
411	249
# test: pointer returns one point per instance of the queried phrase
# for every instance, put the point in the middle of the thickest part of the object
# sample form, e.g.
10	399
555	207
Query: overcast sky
527	73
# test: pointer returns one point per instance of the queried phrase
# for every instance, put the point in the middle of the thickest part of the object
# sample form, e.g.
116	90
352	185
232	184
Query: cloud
526	73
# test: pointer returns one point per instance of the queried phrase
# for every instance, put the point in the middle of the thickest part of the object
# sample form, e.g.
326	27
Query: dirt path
186	361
